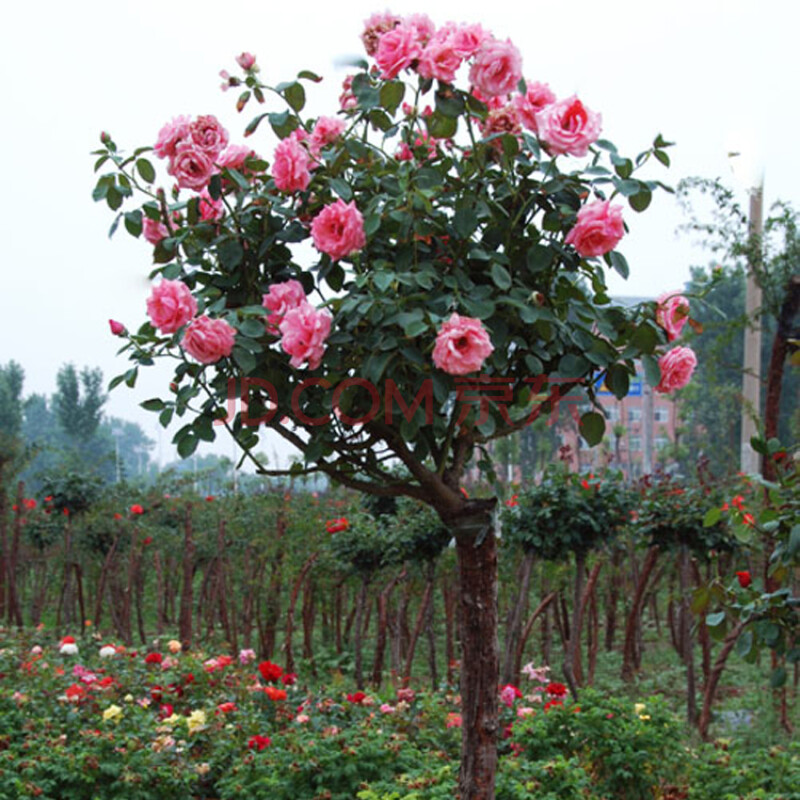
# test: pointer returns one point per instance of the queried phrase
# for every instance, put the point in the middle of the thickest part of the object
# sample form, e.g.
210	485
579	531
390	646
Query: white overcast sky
706	74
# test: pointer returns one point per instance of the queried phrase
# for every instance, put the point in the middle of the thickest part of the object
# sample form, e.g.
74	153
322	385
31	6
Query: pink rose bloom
246	656
497	68
453	720
375	27
326	130
117	328
528	105
492	103
338	230
567	126
210	210
501	120
208	135
170	306
462	345
246	61
508	694
171	135
234	156
347	100
467	39
422	24
525	711
208	340
191	167
154	231
290	167
440	59
397	50
598	229
672	312
676	368
385	708
281	298
304	330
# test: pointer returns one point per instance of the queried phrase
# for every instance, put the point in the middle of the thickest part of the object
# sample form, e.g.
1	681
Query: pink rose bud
246	61
117	328
672	312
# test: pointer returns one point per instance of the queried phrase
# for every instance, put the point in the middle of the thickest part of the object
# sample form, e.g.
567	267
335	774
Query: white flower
108	651
68	649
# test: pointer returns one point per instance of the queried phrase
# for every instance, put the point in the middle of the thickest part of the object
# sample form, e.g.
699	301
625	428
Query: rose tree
399	285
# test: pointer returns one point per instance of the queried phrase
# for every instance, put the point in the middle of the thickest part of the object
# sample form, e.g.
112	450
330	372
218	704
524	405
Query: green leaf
620	264
641	200
628	187
593	427
794	541
662	157
572	366
449	103
309	76
778	678
146	170
712	517
500	276
253	328
618	380
244	359
391	95
230	254
440	126
645	339
465	222
716	619
187	443
652	372
253	124
342	188
295	96
383	280
744	644
133	222
155	404
539	258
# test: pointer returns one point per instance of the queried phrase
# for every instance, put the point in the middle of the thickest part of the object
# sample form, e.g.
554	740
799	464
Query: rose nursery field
96	720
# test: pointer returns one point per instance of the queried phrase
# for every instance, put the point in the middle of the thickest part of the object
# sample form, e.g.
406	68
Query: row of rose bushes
81	720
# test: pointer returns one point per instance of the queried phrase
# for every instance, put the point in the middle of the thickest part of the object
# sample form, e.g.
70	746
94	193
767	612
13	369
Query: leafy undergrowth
78	722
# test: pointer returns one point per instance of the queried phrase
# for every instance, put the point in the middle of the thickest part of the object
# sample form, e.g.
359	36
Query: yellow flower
128	698
638	708
644	716
112	713
196	721
173	719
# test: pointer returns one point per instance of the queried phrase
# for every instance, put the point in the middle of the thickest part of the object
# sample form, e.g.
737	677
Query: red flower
136	509
556	689
738	502
749	519
153	658
188	678
744	579
226	708
270	672
288	678
465	492
210	498
165	710
75	692
512	501
275	694
357	698
337	525
258	742
49	499
224	661
117	515
147	540
29	503
68	640
550	703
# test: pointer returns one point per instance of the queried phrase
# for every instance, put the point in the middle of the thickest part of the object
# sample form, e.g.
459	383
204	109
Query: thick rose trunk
476	549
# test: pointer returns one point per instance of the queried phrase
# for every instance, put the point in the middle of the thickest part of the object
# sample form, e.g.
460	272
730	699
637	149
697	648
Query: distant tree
79	402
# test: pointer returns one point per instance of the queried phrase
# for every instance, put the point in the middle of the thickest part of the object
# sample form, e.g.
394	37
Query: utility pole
751	380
